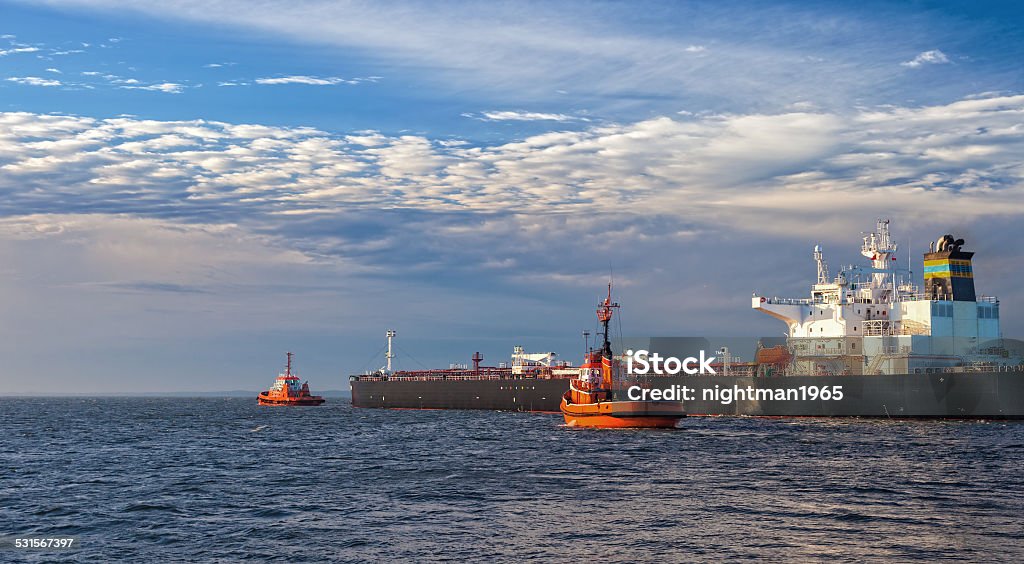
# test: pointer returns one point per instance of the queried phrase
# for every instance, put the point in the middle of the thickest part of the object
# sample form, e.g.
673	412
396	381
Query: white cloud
34	81
5	52
53	70
133	83
410	157
313	80
731	167
298	79
695	49
933	57
168	87
523	116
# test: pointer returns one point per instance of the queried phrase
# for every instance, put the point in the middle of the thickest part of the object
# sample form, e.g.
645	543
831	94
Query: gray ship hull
958	395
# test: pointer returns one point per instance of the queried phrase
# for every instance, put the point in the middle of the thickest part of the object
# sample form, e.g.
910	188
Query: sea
225	480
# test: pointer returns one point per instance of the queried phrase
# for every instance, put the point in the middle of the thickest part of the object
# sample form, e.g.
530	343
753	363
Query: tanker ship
868	342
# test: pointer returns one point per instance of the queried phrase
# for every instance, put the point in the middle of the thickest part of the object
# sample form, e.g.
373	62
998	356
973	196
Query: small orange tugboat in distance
590	400
287	391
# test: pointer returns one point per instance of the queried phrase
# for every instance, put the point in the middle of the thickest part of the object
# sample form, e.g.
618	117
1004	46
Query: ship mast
604	314
288	367
819	258
390	355
879	248
605	310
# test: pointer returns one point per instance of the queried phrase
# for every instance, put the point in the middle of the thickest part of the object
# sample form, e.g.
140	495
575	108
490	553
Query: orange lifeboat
590	400
287	391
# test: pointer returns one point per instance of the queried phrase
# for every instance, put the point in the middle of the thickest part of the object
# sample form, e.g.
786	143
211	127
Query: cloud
53	70
168	87
933	57
146	287
611	55
709	172
735	167
34	81
313	80
5	52
118	260
194	229
522	116
97	78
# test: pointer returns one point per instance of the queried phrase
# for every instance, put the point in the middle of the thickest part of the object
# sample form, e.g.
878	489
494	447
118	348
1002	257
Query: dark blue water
223	479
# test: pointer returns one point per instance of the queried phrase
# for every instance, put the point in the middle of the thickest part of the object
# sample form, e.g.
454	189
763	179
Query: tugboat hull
623	414
316	400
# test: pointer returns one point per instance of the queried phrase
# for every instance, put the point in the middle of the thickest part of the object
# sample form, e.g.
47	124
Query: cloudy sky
191	188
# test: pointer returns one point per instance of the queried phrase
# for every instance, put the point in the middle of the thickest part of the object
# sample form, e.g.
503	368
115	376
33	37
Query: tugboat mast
288	367
604	314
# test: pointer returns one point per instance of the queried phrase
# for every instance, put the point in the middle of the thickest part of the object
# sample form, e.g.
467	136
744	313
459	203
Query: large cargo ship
868	342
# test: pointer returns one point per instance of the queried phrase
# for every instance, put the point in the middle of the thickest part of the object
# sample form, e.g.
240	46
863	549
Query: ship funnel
948	273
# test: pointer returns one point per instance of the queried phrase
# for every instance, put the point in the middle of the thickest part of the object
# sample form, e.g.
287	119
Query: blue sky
190	188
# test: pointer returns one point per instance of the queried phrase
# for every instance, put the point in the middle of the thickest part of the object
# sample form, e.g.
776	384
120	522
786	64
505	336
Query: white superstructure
524	362
878	311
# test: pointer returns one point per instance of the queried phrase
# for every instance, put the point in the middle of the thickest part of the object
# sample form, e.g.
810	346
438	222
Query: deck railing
458	377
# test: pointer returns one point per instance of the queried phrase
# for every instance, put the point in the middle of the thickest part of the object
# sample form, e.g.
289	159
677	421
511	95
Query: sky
189	189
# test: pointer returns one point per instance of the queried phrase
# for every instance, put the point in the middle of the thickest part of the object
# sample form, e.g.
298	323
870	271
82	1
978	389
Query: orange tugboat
287	391
590	401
